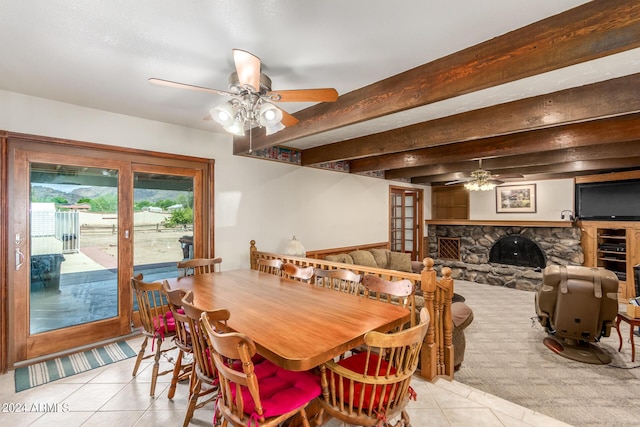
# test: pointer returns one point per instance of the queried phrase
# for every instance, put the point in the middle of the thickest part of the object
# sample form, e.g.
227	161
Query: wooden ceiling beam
558	169
588	102
593	30
603	131
507	164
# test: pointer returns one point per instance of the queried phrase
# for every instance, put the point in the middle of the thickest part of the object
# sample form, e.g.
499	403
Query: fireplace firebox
519	250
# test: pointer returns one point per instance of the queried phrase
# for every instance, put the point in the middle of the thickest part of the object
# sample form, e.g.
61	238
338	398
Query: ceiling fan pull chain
250	148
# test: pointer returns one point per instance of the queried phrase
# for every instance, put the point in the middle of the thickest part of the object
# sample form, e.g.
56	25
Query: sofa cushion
363	258
381	256
461	315
343	258
400	261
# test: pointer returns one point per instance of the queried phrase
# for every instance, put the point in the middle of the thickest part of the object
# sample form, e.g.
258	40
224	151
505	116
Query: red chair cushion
357	363
281	390
158	323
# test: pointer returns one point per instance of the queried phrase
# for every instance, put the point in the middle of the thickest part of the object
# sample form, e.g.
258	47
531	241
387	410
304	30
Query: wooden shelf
512	223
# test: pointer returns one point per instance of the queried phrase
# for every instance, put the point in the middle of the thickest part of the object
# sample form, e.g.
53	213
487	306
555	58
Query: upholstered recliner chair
577	305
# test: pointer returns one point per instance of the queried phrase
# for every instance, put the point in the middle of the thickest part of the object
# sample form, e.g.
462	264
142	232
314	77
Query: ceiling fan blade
460	181
287	119
169	83
304	95
248	68
508	175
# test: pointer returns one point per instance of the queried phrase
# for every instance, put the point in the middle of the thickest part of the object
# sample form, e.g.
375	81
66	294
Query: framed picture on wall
516	198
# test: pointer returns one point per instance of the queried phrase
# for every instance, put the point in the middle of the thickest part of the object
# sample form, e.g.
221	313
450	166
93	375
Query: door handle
19	259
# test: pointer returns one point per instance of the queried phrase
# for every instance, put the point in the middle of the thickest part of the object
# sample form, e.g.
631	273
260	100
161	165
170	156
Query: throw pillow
400	261
363	258
381	256
343	258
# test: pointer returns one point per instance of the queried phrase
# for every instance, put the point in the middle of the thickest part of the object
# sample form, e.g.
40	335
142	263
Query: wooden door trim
4	244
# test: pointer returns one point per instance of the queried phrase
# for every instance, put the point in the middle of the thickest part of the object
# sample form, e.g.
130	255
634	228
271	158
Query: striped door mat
51	370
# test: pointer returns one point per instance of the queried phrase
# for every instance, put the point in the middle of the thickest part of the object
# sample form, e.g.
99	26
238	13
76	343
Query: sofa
378	258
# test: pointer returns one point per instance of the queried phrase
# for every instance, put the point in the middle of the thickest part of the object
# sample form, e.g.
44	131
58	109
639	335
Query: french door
405	221
80	227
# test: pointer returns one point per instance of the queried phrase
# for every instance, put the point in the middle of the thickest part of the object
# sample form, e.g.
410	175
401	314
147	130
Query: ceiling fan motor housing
236	87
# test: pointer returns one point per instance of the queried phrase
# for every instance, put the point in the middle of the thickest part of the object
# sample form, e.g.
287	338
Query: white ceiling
99	54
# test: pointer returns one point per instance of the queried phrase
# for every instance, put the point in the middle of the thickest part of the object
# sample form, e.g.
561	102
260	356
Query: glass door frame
16	148
23	345
200	248
417	226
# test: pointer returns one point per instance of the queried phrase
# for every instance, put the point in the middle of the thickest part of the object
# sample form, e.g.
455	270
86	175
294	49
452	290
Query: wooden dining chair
373	387
199	266
400	292
263	393
271	266
182	338
203	388
339	280
157	323
296	272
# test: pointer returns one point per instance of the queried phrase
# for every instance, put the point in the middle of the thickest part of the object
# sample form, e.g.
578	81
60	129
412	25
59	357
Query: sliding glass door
82	224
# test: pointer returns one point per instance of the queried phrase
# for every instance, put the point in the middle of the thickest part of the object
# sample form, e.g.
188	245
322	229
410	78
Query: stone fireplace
509	255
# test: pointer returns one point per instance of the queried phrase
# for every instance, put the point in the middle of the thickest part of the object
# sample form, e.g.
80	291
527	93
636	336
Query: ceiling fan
252	98
480	180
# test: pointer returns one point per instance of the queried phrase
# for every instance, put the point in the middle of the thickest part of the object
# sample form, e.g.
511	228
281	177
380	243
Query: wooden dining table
296	325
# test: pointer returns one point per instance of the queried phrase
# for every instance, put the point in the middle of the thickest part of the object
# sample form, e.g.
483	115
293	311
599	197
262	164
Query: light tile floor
111	396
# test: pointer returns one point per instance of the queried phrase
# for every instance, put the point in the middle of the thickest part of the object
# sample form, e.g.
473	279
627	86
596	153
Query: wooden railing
437	351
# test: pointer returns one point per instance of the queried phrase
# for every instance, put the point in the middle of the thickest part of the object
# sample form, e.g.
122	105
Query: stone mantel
495	223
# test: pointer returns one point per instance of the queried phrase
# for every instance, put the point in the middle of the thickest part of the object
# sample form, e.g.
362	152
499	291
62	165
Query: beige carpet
505	356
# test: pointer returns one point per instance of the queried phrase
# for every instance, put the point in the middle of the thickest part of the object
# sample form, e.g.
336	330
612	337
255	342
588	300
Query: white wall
254	199
553	196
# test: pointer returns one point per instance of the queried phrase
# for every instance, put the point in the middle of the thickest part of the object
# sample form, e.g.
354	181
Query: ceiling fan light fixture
224	114
275	128
480	180
479	185
270	115
236	128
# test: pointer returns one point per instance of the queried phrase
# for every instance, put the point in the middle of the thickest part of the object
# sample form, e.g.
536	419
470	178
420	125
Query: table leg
618	320
633	346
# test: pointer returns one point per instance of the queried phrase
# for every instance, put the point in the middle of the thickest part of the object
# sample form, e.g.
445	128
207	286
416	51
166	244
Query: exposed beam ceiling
578	117
423	94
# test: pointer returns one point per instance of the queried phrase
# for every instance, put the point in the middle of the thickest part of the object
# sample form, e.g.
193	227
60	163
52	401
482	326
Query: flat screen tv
611	201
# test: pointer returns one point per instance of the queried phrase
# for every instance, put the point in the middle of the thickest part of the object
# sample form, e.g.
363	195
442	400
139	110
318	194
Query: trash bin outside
68	242
45	272
187	247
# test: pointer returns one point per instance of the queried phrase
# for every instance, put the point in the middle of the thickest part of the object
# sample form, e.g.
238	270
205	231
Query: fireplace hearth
549	245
